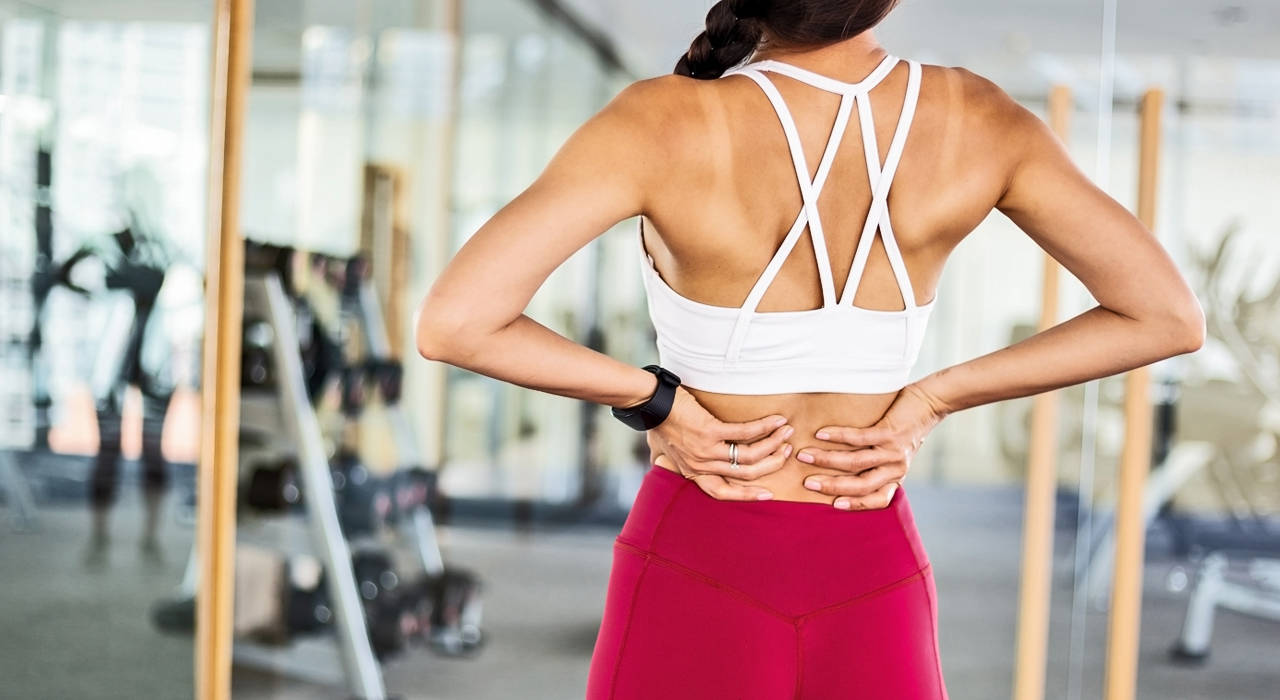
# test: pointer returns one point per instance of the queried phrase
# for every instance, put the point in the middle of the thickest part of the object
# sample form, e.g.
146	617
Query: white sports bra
838	348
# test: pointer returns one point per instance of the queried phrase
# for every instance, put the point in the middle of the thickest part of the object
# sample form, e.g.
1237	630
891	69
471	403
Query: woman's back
732	194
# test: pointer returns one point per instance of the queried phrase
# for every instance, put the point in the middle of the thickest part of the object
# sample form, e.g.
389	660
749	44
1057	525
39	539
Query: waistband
796	557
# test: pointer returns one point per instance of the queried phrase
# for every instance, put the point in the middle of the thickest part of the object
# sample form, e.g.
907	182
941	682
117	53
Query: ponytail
736	28
729	39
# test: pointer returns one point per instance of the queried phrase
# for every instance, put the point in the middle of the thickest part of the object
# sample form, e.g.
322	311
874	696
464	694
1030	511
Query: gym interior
190	186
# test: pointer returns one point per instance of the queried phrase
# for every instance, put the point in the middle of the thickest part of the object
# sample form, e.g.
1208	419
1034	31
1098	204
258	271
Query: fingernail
764	496
813	484
788	433
780	422
822	435
805	457
786	451
842	504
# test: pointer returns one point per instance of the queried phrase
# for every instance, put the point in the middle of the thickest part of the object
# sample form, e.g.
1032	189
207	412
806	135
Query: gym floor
77	631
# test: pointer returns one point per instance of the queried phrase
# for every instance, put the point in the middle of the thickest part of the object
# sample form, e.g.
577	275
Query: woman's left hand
885	452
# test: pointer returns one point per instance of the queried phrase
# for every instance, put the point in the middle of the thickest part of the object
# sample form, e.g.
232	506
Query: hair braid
735	29
732	34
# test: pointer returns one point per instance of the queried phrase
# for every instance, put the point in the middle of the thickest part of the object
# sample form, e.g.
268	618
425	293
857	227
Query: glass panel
526	86
365	169
1215	543
103	158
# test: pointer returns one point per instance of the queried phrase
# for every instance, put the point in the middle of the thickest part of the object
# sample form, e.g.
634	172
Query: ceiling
653	33
1021	44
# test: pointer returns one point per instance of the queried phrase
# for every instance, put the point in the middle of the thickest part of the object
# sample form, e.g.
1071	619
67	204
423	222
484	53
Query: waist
807	413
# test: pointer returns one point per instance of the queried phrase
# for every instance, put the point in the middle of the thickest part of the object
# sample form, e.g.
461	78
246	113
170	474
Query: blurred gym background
403	530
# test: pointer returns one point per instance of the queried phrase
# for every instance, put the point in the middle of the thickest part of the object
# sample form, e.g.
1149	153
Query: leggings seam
937	659
635	596
626	631
662	519
865	596
799	660
727	590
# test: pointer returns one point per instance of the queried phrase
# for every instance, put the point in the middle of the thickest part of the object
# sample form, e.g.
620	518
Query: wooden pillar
1042	456
224	312
1135	458
430	190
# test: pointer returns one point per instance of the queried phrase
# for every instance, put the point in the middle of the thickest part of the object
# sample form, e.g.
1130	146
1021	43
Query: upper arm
597	179
1095	238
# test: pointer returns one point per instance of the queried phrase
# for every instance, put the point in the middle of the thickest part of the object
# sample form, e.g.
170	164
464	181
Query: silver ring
733	455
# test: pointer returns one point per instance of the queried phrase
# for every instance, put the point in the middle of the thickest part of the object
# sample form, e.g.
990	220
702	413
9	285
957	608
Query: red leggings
764	601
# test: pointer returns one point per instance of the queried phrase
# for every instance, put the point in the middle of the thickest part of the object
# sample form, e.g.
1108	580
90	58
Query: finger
756	451
879	500
859	486
721	489
852	461
855	437
747	472
749	432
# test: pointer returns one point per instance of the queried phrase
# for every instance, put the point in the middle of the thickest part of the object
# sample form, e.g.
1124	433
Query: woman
763	194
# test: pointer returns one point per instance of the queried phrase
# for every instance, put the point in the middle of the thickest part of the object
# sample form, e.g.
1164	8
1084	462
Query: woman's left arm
1146	312
473	317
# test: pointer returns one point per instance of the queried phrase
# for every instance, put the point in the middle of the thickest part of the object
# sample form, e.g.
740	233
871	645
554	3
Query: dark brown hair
735	29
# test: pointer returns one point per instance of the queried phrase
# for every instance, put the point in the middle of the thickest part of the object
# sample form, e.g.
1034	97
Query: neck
848	60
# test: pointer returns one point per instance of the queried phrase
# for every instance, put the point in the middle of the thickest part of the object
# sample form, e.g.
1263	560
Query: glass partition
379	136
526	85
1214	493
103	157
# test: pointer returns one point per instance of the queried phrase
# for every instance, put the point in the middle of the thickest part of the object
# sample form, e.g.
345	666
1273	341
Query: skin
707	165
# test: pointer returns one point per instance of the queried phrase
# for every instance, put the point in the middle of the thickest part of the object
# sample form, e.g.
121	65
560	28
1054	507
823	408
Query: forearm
1097	343
533	356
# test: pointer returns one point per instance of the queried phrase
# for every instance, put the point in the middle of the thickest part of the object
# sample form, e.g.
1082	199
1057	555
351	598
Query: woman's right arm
474	316
1146	312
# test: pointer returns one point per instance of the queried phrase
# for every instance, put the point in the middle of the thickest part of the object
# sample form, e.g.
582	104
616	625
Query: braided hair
736	28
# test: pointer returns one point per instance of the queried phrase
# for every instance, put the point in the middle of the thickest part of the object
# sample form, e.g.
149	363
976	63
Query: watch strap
653	412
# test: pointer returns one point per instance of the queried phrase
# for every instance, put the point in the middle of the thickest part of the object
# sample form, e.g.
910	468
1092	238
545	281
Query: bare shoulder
674	109
982	103
987	124
664	124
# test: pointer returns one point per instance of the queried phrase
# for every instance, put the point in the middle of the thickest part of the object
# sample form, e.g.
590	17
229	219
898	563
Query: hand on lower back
884	453
695	444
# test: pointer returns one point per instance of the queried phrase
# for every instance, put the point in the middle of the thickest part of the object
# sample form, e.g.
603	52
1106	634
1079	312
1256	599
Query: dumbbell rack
312	659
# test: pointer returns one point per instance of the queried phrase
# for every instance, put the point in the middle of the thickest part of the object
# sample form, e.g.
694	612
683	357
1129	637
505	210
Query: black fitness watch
651	413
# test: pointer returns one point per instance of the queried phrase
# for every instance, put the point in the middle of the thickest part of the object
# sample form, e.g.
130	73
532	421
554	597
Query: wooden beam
1135	458
224	312
1042	455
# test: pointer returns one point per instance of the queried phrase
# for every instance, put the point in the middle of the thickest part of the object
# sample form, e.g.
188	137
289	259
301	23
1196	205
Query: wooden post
224	312
1135	458
1042	456
430	190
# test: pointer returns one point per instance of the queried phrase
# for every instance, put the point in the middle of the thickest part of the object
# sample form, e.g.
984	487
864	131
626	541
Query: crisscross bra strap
881	181
811	189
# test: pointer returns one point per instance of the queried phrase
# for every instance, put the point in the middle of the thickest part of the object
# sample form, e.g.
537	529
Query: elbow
1187	327
439	333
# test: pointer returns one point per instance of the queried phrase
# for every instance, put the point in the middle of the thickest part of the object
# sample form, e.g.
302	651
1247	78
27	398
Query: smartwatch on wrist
651	413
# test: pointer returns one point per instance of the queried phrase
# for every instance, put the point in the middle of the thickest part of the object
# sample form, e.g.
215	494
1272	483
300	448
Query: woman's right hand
695	444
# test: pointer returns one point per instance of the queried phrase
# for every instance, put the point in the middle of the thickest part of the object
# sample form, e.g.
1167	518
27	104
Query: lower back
807	413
